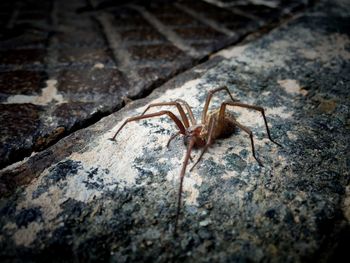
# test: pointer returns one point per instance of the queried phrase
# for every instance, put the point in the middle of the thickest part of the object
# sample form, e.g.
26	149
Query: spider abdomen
225	128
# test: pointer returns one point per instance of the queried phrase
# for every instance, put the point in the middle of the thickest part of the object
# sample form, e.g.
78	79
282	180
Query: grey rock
116	200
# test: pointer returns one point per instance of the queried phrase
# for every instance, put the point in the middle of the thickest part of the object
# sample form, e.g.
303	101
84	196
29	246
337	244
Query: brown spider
215	124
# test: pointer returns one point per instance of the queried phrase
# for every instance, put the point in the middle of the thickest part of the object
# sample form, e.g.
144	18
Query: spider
214	124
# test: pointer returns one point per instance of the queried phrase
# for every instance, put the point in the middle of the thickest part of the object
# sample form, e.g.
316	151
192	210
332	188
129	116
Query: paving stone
21	121
85	56
127	18
145	33
232	21
69	21
29	39
156	52
154	75
91	198
177	18
263	12
22	56
32	5
87	85
67	112
34	18
200	33
80	38
22	82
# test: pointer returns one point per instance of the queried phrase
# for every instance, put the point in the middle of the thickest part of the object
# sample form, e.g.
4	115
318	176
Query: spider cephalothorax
214	125
196	132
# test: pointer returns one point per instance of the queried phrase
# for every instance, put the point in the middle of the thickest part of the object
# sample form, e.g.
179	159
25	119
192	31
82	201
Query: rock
91	198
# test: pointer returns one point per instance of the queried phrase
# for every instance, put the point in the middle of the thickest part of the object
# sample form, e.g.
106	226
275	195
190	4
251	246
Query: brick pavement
65	64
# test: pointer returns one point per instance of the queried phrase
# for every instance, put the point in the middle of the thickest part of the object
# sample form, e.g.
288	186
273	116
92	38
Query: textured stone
21	82
175	18
263	12
85	56
89	198
21	121
201	33
22	56
141	34
156	52
27	39
88	85
81	38
226	18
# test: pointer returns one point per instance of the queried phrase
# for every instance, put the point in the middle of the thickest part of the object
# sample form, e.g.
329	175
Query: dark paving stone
22	82
32	5
20	121
293	6
146	33
154	75
223	16
156	52
33	18
22	57
200	33
81	38
70	22
66	113
128	18
84	55
87	85
172	16
20	37
177	19
263	12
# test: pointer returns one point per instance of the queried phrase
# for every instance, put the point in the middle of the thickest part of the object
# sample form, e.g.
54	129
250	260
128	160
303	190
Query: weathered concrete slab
81	59
88	198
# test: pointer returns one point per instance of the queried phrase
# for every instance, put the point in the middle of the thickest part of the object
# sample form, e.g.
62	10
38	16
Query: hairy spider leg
171	103
151	115
253	107
250	133
189	111
242	127
172	138
209	96
211	127
182	175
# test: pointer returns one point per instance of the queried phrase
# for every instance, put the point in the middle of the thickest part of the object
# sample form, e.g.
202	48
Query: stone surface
88	198
82	59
